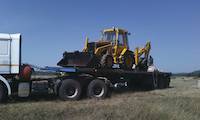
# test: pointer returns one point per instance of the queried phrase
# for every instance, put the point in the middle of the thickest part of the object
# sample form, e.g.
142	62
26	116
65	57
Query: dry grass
181	102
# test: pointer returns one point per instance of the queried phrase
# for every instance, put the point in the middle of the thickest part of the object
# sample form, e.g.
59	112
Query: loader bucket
76	59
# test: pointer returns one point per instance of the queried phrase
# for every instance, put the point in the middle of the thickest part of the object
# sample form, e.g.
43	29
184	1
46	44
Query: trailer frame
80	81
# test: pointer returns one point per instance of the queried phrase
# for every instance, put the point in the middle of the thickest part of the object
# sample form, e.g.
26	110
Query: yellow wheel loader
111	49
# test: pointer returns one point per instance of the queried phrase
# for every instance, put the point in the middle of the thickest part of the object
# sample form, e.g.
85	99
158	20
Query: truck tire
97	89
70	90
106	61
3	93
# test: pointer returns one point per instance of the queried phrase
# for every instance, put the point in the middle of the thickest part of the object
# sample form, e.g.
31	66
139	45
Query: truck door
5	56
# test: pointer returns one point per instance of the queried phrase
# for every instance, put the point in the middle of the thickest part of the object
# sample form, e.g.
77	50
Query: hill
194	74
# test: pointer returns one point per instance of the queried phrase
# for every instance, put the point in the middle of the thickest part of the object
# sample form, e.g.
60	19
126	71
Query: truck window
4	46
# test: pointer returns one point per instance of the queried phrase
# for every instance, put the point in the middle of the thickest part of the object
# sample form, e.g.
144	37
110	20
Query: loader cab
122	39
118	37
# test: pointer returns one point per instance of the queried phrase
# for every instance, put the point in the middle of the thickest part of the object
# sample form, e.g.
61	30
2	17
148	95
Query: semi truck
67	82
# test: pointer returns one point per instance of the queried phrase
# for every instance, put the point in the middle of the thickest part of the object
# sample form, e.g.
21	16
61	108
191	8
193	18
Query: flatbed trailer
73	83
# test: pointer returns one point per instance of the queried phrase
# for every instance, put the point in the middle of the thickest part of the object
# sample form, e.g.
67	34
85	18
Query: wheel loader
112	48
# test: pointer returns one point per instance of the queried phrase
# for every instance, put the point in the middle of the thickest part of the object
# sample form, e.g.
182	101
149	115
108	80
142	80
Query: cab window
120	39
109	36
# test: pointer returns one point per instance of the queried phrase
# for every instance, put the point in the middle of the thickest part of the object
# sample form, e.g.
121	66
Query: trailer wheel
3	93
70	90
97	89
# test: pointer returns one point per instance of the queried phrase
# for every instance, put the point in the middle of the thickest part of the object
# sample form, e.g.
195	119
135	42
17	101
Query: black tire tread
66	83
90	93
3	93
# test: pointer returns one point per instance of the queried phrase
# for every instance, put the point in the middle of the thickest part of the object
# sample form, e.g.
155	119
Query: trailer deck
151	80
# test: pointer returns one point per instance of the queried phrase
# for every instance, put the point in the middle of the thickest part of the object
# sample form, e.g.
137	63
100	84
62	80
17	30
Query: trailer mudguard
2	79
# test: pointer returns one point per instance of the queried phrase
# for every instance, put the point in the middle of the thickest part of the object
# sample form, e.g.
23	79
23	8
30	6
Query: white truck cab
10	53
10	60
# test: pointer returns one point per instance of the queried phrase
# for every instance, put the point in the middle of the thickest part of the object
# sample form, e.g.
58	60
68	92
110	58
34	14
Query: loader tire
70	90
106	61
97	89
3	93
127	62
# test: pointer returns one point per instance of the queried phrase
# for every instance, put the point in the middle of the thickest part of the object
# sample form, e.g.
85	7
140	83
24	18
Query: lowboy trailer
69	83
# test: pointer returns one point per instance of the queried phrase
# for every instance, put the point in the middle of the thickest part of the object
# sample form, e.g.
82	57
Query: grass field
180	102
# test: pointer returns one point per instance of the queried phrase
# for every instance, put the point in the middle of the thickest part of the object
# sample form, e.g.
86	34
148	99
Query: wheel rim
98	91
71	92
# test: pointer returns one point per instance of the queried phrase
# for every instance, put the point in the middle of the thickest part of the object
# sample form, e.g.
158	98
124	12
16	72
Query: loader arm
142	51
101	49
85	49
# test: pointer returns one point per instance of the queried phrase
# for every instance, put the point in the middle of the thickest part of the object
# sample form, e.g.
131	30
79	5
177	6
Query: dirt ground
179	102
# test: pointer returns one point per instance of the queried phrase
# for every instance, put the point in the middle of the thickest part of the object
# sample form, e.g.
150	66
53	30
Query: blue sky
50	27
